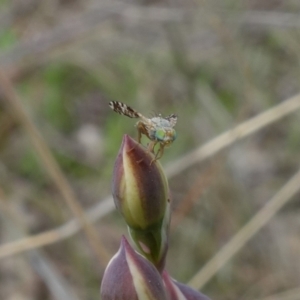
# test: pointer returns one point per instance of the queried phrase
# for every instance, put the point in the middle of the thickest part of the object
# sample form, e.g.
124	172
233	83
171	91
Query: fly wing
172	119
123	109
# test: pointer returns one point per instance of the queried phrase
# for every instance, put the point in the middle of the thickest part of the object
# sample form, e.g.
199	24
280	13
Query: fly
160	130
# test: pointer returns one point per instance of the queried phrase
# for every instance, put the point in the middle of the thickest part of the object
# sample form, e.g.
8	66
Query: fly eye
160	134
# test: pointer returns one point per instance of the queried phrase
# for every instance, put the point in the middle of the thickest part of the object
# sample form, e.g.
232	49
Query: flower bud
180	291
129	276
140	191
153	243
139	187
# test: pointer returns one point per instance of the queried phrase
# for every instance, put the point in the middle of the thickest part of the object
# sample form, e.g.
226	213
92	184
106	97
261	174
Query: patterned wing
123	109
172	119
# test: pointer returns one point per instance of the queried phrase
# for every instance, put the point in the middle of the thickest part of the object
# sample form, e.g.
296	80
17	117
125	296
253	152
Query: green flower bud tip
180	291
139	187
129	276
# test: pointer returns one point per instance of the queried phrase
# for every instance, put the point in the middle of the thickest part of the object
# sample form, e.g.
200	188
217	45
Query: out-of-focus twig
17	111
267	18
56	283
174	168
235	134
293	294
53	236
85	24
260	219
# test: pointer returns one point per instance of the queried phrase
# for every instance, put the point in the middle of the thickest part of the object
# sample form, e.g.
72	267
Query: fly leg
151	146
159	153
139	129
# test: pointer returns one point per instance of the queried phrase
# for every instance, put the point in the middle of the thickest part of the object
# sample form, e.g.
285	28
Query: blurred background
215	64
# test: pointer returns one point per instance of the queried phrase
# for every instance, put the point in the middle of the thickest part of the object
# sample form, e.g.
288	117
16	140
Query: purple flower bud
139	187
129	276
140	191
179	291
